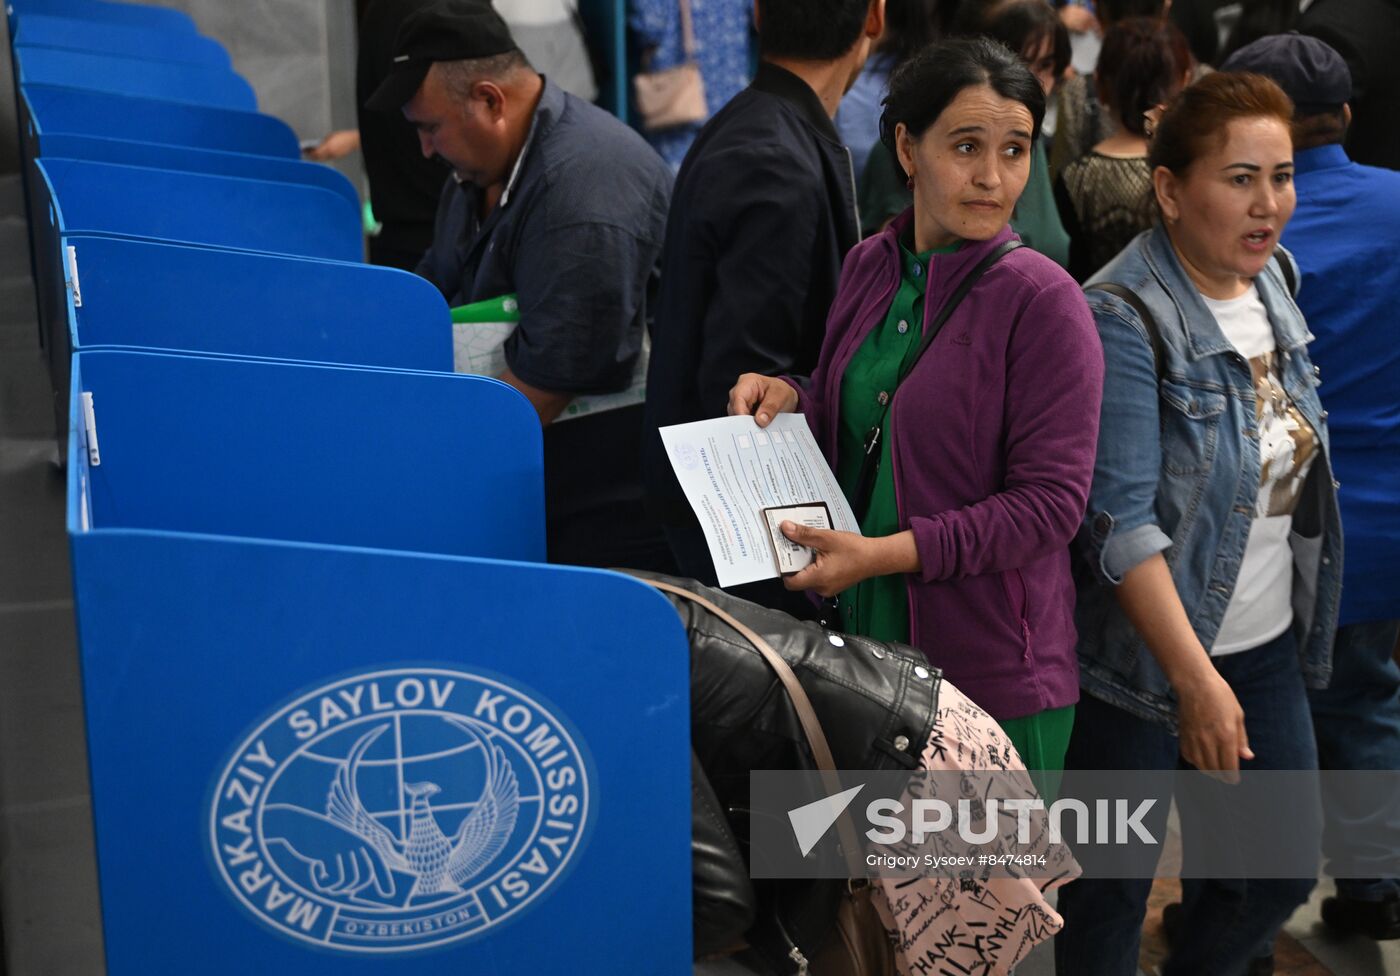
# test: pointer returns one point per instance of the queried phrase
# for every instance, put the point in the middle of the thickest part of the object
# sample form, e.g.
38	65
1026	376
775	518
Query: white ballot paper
731	470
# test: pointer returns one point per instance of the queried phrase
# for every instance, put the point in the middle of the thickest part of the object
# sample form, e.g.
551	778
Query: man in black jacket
762	215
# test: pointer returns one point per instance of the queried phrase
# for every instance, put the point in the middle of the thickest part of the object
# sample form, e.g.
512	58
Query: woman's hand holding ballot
844	559
762	397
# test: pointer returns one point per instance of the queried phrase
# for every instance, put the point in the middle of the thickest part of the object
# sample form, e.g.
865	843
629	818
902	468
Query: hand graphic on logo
337	861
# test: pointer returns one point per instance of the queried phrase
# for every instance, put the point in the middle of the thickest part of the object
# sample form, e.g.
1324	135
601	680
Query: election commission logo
398	810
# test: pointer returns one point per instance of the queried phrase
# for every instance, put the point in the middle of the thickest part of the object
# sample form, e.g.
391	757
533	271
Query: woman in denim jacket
1212	532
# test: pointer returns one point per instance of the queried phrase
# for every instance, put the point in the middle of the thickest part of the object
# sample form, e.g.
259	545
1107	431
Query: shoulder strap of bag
687	31
954	300
869	462
1149	322
1286	268
806	715
811	727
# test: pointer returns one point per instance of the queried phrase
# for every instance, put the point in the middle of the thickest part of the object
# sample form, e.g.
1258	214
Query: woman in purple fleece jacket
981	468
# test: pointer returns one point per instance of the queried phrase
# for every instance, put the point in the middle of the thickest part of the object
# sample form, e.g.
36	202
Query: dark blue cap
1309	71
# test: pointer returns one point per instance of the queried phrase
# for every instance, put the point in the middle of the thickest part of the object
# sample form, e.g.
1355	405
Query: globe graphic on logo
392	796
400	809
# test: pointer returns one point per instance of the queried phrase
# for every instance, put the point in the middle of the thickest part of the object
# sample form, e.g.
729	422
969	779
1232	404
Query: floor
48	881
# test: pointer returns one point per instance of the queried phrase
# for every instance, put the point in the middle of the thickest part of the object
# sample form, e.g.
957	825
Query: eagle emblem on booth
400	810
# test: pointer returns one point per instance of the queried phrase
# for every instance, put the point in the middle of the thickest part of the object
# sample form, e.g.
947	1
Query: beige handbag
858	946
675	96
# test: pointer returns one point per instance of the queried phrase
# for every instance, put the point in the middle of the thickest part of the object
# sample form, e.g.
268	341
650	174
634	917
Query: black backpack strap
1149	322
1288	268
954	300
865	479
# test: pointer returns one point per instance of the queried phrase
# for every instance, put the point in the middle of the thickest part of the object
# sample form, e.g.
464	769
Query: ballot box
152	43
196	84
322	738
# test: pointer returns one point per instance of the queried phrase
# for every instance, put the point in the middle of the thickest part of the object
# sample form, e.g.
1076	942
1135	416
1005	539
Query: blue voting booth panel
213	162
70	196
130	14
163	296
242	695
56	109
318	759
176	46
198	208
195	84
427	462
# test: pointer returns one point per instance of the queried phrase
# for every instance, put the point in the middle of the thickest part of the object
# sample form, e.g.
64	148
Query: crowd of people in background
1062	335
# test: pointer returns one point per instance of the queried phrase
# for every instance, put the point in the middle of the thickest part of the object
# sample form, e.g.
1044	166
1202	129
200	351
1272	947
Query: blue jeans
1357	721
1224	922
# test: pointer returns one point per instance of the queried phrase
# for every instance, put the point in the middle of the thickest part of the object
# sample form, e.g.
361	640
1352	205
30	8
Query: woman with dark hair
962	430
1213	541
1031	29
910	26
1081	120
1105	198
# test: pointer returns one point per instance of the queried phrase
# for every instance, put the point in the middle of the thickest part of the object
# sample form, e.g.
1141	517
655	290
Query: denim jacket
1178	472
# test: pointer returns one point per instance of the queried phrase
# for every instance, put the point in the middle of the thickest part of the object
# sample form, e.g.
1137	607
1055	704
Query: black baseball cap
441	30
1308	70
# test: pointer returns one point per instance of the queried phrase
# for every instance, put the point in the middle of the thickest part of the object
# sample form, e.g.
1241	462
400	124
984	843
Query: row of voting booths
341	716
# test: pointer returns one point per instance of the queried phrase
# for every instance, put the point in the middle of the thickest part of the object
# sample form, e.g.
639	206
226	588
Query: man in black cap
555	201
1345	233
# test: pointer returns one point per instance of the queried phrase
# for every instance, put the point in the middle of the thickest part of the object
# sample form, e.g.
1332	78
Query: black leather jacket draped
876	702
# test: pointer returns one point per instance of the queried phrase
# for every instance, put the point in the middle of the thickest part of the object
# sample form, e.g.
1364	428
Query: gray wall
299	56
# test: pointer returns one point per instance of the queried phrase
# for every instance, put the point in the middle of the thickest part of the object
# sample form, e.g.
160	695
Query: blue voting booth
429	462
272	169
341	719
103	12
175	45
198	208
243	303
288	740
69	196
56	110
199	85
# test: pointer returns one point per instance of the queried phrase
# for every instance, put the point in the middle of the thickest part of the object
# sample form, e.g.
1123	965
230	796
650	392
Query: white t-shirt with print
1261	607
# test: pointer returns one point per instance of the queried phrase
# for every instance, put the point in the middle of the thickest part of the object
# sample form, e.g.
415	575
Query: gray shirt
577	236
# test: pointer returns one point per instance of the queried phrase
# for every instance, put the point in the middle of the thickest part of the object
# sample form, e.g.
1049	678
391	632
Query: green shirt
879	607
